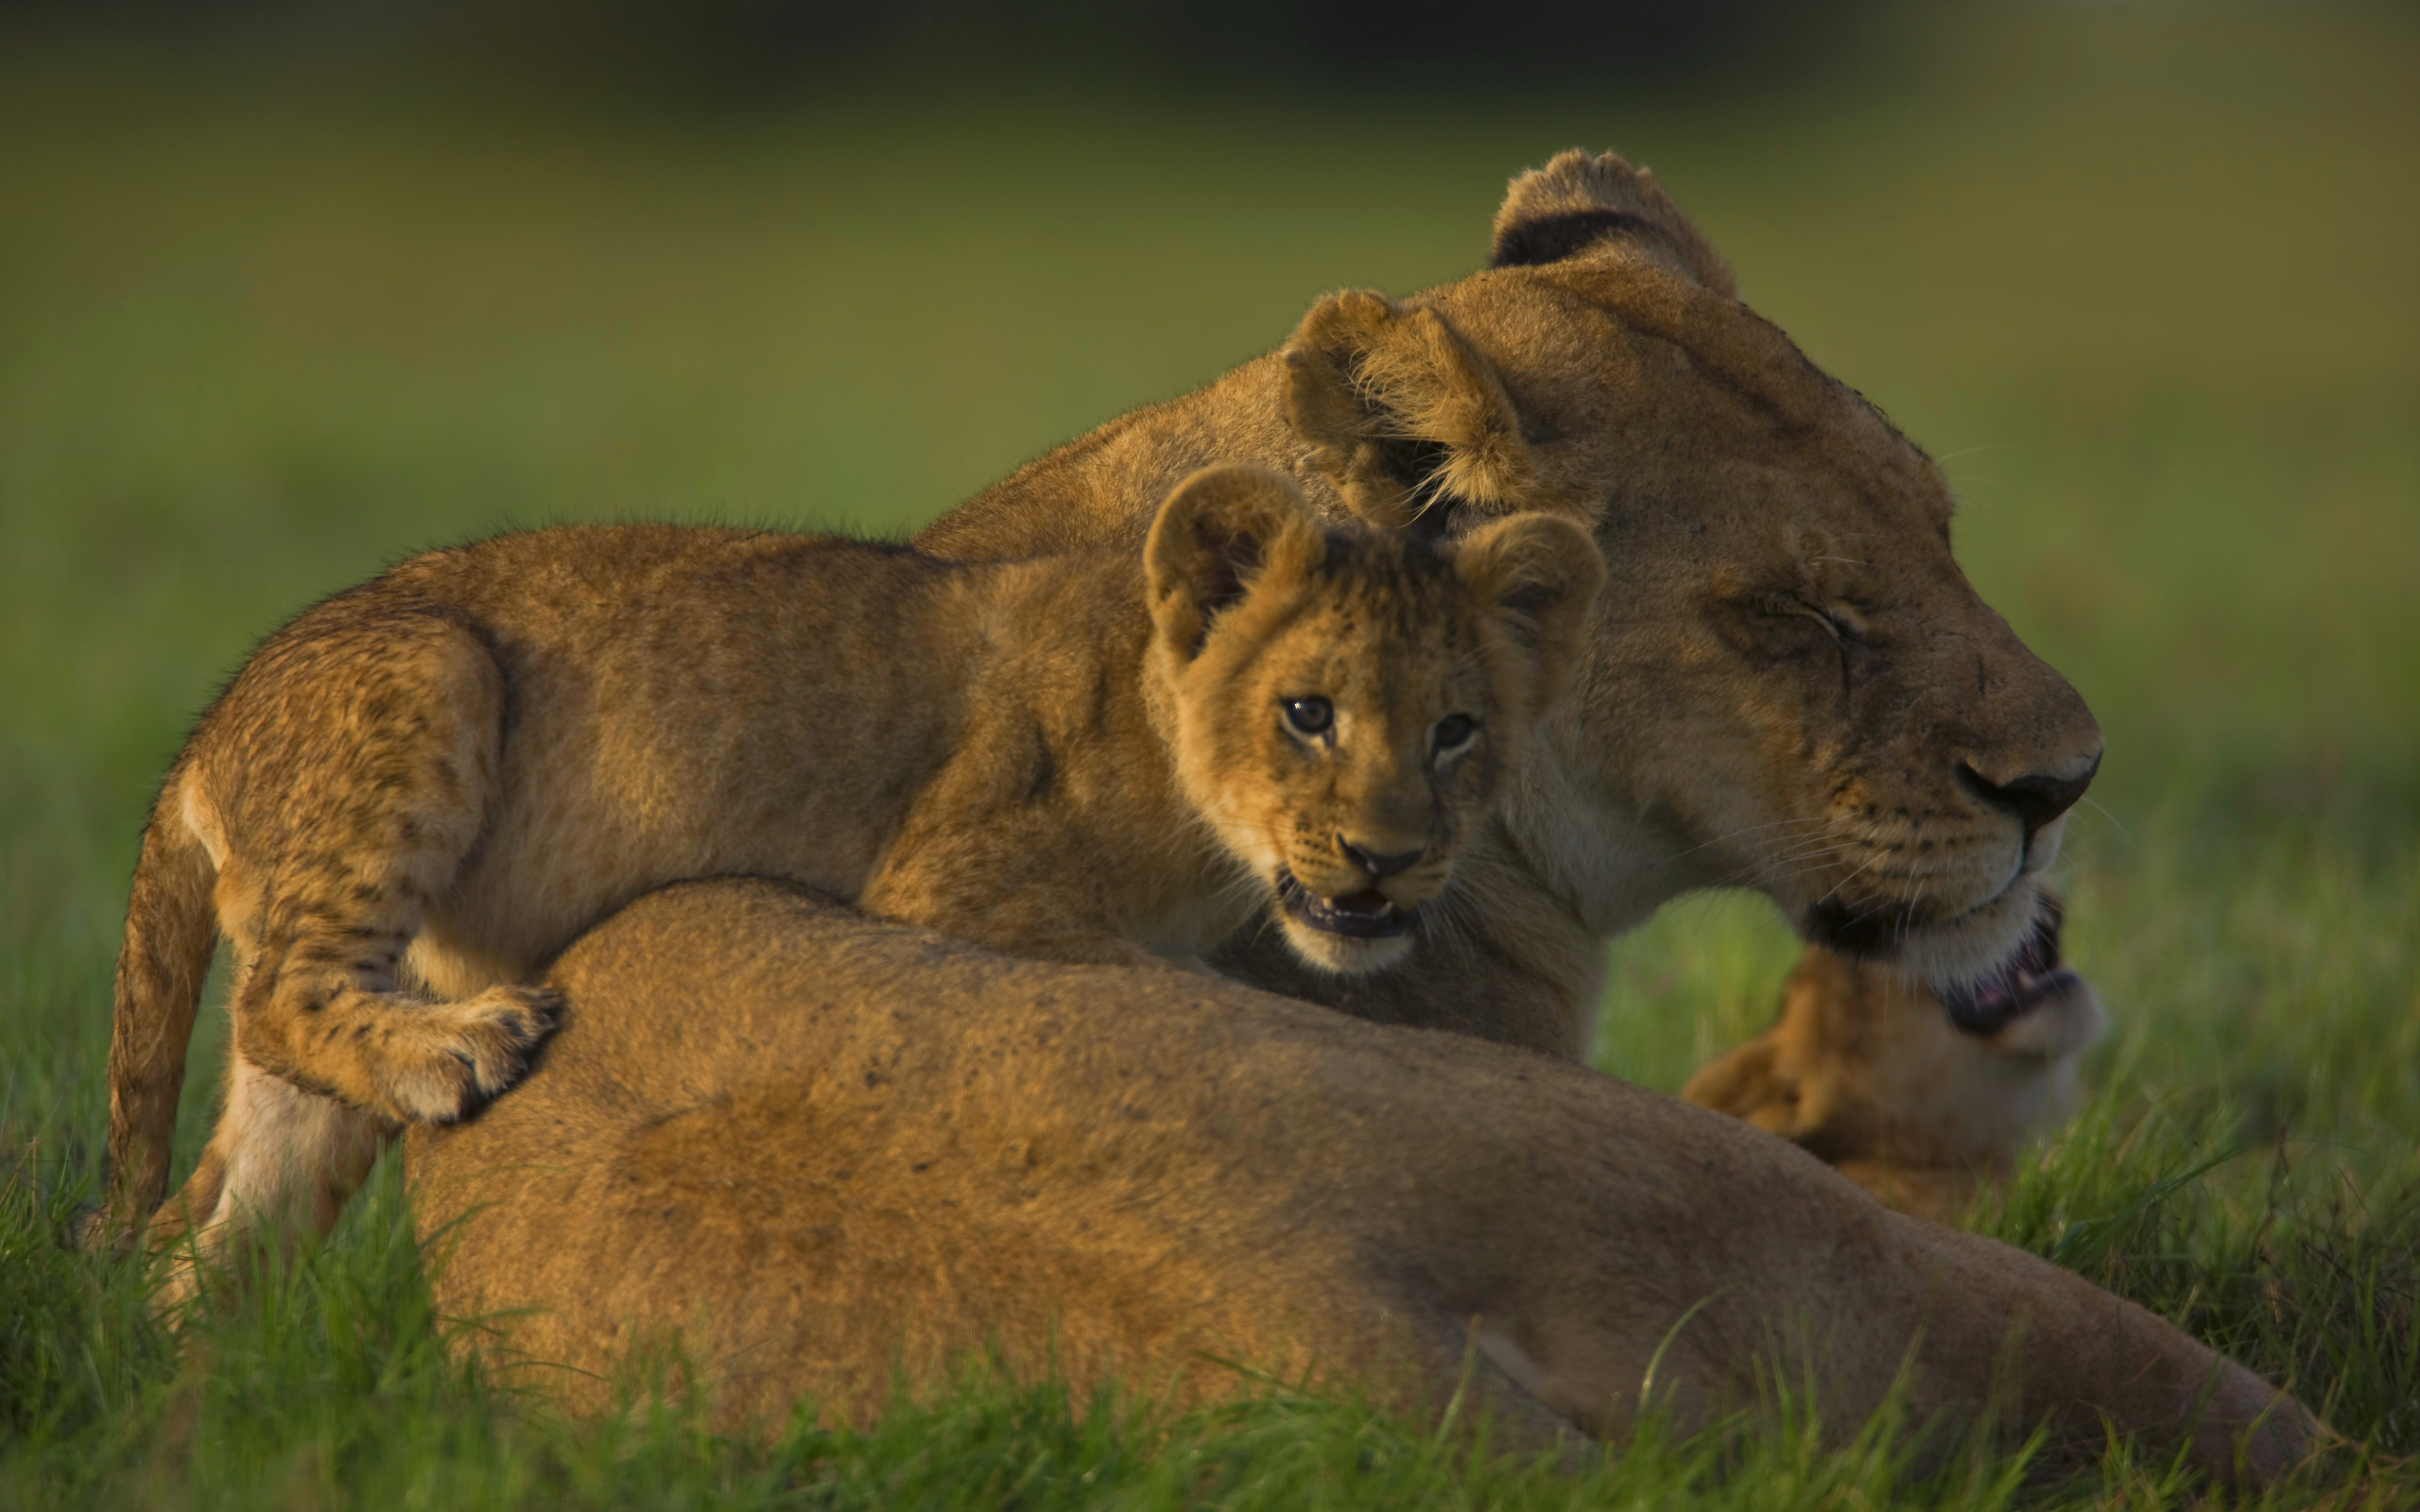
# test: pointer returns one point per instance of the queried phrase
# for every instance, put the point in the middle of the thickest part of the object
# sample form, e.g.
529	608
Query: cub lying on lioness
433	781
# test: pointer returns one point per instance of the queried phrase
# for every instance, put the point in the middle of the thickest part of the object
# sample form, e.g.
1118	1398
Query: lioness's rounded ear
1542	573
1215	535
1578	203
1401	413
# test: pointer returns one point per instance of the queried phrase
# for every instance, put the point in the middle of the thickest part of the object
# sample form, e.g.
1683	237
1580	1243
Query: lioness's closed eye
420	790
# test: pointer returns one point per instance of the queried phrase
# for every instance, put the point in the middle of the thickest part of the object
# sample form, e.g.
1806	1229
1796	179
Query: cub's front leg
1035	919
1019	885
1000	850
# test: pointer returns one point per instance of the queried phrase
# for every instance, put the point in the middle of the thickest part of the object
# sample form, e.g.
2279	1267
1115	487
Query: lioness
1921	1101
1791	685
826	1150
431	782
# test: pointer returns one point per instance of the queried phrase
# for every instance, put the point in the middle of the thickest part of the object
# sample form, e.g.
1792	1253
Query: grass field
2142	275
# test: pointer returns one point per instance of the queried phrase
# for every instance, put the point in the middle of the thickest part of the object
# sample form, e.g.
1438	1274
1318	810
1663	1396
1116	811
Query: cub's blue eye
1307	716
1453	733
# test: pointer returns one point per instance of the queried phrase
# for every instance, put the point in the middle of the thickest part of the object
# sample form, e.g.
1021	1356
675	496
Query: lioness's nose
1376	865
2035	798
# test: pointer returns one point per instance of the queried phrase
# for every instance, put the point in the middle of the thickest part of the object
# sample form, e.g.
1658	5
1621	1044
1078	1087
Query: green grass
2140	274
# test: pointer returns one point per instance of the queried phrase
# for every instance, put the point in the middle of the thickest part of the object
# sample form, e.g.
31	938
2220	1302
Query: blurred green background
279	305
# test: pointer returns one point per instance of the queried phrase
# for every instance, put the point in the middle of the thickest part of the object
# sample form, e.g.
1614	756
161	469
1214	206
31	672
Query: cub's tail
171	928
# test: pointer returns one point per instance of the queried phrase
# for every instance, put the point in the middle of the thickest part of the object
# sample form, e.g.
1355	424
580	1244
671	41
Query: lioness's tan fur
822	1150
1790	684
419	791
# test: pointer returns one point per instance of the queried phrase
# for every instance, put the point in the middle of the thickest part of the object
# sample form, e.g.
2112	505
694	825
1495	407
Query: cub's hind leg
351	788
340	787
279	1165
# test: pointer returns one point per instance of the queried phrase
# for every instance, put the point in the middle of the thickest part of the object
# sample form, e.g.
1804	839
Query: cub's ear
1219	532
1580	204
1543	573
1401	413
1750	1085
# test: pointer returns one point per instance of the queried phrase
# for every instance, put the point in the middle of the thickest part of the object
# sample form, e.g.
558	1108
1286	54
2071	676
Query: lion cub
1919	1098
419	791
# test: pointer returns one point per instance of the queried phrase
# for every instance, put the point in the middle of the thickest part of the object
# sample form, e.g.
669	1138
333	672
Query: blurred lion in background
1921	1101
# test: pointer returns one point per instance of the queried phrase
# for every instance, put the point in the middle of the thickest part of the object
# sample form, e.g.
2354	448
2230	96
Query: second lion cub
420	790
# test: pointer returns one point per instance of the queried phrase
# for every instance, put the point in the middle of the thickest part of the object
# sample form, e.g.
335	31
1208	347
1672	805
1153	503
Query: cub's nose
2035	798
1376	865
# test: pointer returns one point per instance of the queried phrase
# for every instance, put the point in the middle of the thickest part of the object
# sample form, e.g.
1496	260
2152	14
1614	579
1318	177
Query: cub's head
1917	1098
1343	704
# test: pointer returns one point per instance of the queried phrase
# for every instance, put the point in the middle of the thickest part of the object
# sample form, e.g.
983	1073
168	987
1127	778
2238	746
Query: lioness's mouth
2031	976
1365	914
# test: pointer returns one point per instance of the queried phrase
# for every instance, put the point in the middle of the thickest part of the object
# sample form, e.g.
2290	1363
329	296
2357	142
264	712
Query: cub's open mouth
1365	914
2031	976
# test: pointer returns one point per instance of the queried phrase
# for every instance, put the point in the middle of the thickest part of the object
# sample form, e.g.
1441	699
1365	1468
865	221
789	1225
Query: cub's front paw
467	1052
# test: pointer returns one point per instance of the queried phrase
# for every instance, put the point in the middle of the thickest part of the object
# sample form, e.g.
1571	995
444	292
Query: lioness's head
1790	684
1343	704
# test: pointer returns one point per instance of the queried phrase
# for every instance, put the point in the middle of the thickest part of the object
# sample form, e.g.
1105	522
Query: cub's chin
1351	935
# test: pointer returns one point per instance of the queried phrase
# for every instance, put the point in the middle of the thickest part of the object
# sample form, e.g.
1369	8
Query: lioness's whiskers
1794	826
1851	877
